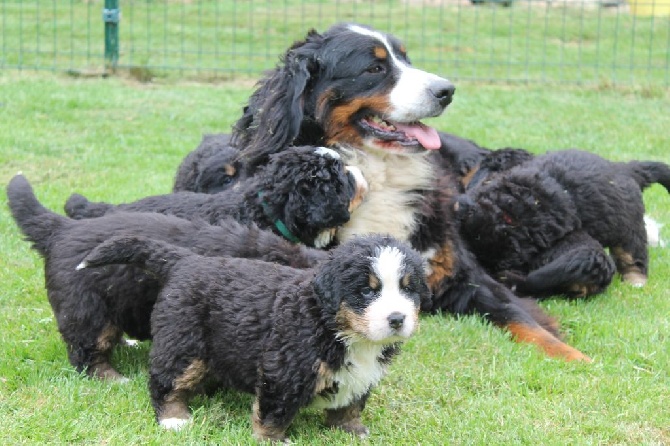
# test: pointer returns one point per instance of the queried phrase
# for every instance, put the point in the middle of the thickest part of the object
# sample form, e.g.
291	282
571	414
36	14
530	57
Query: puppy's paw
355	427
637	279
174	424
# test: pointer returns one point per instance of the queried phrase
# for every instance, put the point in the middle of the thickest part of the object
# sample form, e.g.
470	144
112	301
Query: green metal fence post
111	16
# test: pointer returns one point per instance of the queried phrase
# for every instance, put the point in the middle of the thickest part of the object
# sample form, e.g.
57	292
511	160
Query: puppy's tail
154	256
37	223
78	207
647	173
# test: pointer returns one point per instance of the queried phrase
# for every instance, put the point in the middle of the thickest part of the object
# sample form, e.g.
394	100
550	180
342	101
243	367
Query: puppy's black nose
444	91
396	320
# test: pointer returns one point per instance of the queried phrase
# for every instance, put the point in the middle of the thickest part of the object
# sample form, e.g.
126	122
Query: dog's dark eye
376	69
367	292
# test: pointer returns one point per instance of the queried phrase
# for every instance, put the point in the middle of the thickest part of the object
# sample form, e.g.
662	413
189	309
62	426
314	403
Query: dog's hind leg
91	354
577	271
631	256
85	326
170	394
476	292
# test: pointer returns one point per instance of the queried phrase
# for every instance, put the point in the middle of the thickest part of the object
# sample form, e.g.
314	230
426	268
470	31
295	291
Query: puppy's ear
275	112
326	288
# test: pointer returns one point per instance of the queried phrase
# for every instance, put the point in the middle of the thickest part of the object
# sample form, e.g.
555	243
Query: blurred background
581	42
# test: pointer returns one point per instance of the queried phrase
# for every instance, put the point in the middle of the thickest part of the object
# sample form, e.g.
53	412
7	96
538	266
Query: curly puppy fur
353	89
526	231
93	308
212	167
320	338
303	194
608	198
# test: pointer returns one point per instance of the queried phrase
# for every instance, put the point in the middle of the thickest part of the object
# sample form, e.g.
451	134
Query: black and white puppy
93	308
213	166
303	194
321	337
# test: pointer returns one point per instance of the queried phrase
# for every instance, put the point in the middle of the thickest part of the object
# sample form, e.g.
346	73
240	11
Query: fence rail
564	41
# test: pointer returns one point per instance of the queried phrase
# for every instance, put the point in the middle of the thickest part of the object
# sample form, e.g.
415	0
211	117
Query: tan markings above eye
403	50
404	282
380	52
373	281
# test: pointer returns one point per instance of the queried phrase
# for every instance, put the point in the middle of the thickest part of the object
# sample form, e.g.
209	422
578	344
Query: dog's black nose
443	91
396	320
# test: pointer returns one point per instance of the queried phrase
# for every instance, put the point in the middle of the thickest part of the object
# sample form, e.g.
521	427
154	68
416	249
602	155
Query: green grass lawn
457	381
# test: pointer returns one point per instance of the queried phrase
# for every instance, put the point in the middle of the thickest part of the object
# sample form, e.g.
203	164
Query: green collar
281	227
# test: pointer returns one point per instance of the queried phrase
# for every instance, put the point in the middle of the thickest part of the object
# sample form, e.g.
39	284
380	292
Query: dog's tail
155	256
79	207
37	223
647	173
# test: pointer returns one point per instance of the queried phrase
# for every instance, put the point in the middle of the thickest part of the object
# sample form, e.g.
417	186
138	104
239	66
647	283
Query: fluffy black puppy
303	194
212	167
321	337
93	308
526	231
608	198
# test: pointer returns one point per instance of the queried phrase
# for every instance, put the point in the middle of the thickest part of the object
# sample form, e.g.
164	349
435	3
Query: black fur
526	231
290	338
212	167
608	198
309	193
94	307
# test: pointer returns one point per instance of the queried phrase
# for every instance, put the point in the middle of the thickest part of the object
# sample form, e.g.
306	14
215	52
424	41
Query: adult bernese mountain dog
320	337
353	89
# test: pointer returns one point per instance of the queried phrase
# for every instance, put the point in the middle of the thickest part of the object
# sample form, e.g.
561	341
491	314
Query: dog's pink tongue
427	136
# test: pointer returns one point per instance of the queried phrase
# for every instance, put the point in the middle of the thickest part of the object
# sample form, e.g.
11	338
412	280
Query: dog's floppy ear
275	112
326	287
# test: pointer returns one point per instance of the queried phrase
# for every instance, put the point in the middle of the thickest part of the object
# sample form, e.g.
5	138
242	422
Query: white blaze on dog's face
413	96
367	95
393	313
382	307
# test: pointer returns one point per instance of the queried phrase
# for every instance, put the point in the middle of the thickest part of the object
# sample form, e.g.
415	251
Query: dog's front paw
355	427
511	278
635	278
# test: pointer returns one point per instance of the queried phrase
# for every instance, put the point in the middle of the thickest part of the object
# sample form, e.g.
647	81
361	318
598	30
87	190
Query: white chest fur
390	204
361	372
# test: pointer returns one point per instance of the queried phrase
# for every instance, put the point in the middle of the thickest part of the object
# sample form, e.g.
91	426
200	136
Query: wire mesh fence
565	41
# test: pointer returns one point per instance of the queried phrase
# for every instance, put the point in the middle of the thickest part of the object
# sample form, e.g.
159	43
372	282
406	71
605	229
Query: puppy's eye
367	292
376	69
406	283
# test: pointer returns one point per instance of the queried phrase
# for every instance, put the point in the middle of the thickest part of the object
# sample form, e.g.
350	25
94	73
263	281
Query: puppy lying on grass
607	196
303	194
319	337
526	231
93	308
